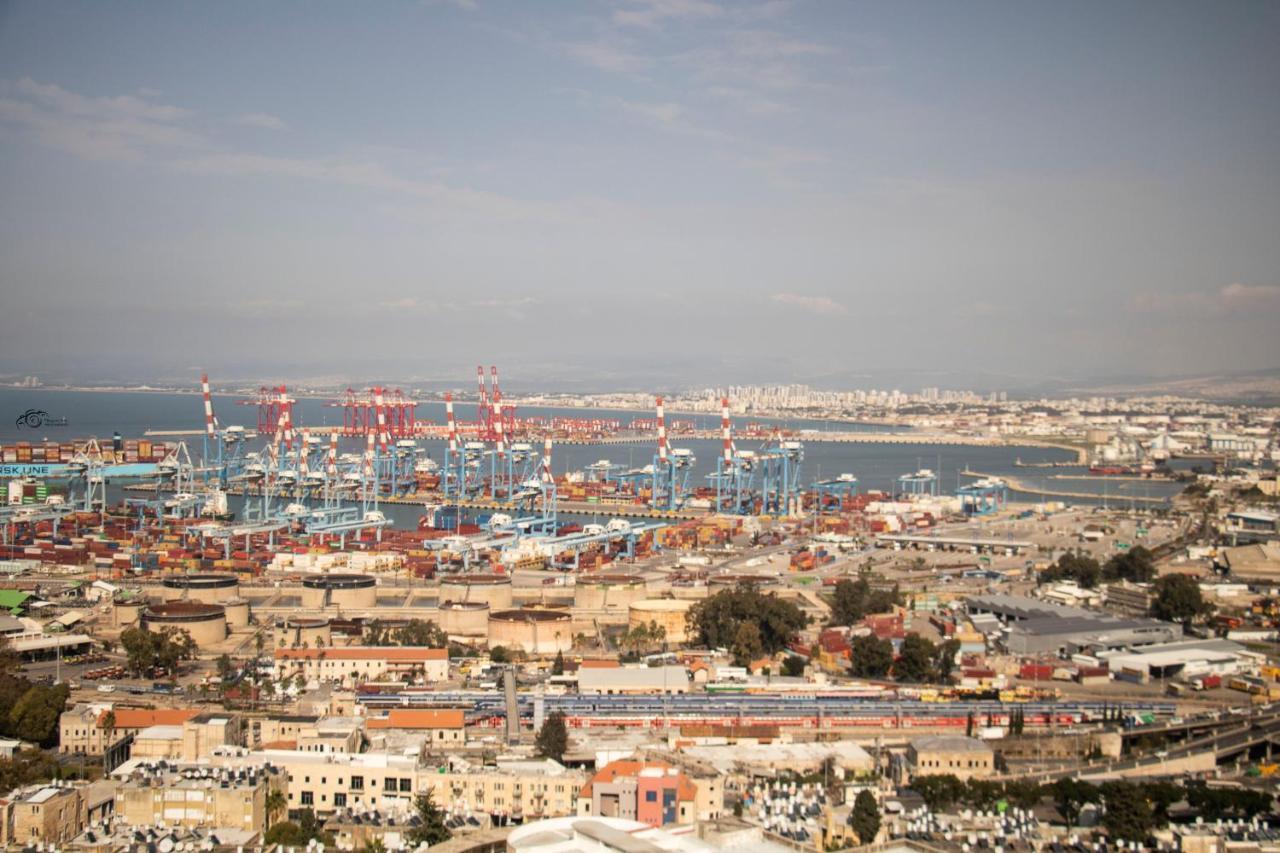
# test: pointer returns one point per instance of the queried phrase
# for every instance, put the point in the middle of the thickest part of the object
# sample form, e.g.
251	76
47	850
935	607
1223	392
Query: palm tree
109	725
275	804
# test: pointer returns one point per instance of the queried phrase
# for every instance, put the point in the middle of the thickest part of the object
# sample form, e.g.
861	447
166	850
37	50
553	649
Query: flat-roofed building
352	665
651	792
1128	598
207	796
1057	635
326	781
528	789
632	679
962	757
47	815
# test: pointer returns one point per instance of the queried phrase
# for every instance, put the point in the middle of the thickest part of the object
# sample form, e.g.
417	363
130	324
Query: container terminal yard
232	599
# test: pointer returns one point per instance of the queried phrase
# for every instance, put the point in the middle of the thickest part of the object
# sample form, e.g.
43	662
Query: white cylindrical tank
538	632
669	613
464	618
493	590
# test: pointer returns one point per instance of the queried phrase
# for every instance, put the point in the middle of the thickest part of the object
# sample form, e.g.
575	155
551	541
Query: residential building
49	815
527	789
326	781
651	792
215	797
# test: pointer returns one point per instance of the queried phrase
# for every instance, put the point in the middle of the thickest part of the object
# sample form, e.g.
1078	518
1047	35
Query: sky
640	191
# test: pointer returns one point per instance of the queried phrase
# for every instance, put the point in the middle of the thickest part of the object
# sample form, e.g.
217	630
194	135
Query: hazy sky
696	190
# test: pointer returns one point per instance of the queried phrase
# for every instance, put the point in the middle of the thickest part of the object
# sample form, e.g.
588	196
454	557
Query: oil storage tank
608	592
207	588
464	618
670	613
339	590
206	623
298	632
493	590
538	632
127	612
237	613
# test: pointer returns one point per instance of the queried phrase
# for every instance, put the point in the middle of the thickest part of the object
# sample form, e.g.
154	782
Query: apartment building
211	797
46	814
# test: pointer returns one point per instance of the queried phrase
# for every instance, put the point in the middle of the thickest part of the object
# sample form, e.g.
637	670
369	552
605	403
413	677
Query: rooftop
949	743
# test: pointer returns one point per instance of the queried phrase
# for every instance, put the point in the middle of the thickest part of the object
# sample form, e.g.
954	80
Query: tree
747	644
275	804
499	654
34	717
109	725
849	602
855	599
938	791
1070	796
1128	814
26	768
870	657
431	828
1136	565
145	650
375	845
420	632
553	737
916	659
557	665
793	666
715	620
1023	794
864	817
225	669
285	834
312	828
1178	599
1081	569
944	659
982	793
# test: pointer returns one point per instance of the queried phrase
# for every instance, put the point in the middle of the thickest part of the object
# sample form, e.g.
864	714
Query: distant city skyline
667	192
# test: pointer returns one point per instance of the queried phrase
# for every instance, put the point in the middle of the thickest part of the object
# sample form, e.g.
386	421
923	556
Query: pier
1018	485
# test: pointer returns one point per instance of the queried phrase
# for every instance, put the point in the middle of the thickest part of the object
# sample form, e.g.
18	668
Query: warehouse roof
1261	560
1021	607
1089	625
